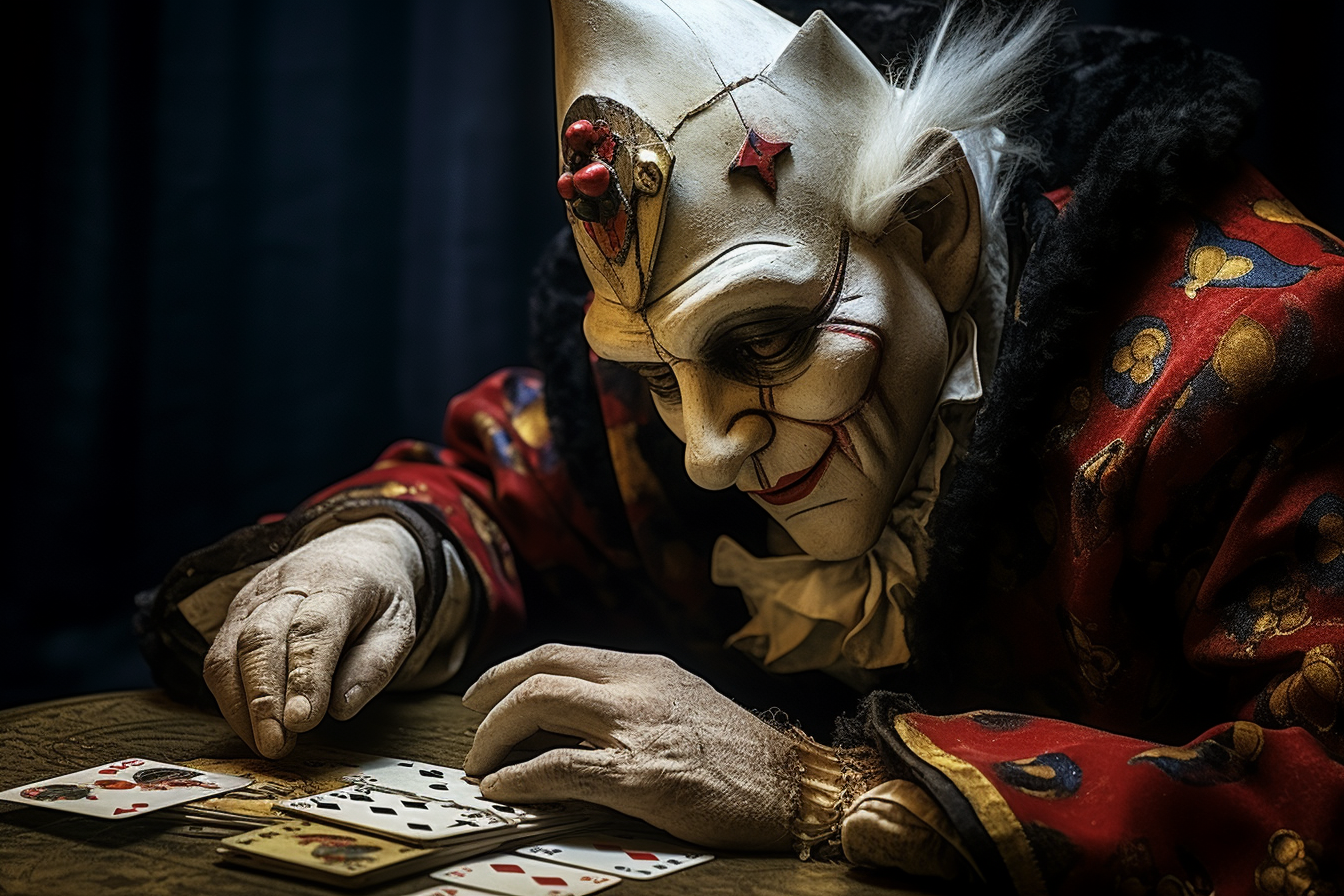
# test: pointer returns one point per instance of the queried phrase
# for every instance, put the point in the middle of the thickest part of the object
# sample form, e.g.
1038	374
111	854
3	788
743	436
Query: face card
123	789
636	859
440	782
335	851
394	814
513	875
273	780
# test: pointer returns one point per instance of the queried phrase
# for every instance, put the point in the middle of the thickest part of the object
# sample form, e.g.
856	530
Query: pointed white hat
689	126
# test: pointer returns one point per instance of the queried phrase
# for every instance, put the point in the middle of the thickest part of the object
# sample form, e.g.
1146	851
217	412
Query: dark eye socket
662	381
764	348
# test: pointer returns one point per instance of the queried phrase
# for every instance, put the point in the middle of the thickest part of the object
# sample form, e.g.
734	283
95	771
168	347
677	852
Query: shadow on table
82	829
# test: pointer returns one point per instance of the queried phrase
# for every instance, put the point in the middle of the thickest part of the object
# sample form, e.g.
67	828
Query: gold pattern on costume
497	440
1208	263
1226	757
1136	359
1292	868
388	490
492	536
1281	211
1098	488
1247	740
1244	358
1313	694
1280	610
1136	871
1329	538
1096	664
1080	399
531	423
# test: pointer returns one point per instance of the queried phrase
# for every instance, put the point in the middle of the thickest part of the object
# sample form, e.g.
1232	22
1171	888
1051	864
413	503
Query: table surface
48	852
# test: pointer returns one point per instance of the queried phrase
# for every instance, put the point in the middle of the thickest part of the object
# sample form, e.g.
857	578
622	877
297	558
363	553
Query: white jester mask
706	153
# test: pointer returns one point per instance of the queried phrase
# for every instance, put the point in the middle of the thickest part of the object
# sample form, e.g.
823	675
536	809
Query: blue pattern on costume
1050	776
1215	259
1137	354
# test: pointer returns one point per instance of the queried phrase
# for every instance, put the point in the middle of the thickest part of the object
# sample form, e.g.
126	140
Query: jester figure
989	405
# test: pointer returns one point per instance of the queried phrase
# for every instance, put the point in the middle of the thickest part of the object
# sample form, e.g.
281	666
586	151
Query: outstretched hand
320	630
666	747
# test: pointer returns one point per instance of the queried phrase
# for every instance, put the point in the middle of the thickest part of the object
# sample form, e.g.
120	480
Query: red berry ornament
579	135
565	186
592	180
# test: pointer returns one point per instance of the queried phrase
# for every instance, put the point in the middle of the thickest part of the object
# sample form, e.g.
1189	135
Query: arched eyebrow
687	279
800	319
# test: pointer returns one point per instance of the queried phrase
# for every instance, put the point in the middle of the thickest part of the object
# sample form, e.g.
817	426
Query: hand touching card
440	782
124	788
435	782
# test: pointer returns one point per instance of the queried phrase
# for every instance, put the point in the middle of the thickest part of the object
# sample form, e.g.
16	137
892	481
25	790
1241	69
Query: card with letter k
123	789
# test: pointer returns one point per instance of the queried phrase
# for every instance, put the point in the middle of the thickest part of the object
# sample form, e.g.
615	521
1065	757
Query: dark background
251	243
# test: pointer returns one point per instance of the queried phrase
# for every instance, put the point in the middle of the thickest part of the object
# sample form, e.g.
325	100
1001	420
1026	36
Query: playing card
396	815
335	851
440	782
435	782
292	777
514	875
414	861
634	858
123	789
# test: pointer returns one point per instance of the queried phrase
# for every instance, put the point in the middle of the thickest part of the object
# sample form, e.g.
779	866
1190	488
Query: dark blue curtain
251	243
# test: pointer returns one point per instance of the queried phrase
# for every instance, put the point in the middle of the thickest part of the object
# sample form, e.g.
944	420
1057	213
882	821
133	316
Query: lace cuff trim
830	781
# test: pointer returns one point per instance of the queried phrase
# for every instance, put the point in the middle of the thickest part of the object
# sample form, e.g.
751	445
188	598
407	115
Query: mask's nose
723	425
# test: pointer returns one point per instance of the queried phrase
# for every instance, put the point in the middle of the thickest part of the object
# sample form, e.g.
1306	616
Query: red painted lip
797	486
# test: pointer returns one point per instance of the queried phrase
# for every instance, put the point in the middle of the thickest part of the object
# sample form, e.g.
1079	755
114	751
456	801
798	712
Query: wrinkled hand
668	748
336	615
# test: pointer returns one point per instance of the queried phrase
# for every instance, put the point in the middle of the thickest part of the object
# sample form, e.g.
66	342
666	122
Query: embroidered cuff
830	780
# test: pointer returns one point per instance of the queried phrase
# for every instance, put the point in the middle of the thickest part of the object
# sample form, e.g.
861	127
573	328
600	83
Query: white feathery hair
975	74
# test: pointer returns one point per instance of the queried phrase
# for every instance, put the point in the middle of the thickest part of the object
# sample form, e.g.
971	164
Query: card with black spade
124	788
441	782
395	815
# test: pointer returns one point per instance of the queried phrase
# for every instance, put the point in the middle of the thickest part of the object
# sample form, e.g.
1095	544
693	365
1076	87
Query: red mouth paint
796	486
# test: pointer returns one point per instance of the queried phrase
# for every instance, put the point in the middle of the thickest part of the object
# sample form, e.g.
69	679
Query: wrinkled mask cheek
837	381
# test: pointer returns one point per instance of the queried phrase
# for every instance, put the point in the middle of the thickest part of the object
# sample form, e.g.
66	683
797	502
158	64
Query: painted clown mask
708	156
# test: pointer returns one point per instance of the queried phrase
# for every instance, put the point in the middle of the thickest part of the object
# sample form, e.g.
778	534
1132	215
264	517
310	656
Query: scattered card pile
366	820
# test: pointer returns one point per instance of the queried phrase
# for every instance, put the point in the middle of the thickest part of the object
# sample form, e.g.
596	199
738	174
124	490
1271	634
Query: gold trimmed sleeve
985	801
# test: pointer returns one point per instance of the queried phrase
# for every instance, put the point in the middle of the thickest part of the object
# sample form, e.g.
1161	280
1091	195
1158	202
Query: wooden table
47	852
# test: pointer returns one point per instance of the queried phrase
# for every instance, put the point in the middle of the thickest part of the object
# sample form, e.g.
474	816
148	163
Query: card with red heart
123	789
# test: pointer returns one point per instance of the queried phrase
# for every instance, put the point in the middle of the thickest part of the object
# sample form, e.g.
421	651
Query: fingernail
354	692
489	782
270	736
298	709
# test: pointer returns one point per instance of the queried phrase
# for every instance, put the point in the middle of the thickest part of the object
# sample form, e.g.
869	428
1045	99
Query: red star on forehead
759	153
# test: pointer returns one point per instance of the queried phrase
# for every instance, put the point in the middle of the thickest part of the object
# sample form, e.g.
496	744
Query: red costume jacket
1144	635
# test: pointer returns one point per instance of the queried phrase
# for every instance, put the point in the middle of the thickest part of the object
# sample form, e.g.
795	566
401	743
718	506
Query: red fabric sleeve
498	488
1054	807
1194	581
